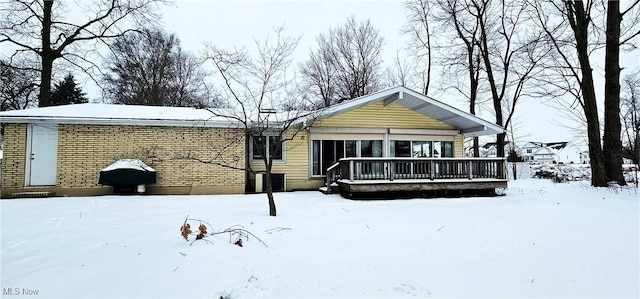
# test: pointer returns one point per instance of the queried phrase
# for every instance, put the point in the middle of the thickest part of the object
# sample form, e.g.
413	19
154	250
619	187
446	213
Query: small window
272	147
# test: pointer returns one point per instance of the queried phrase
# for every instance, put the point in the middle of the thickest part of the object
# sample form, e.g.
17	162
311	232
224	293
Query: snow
539	240
112	112
129	164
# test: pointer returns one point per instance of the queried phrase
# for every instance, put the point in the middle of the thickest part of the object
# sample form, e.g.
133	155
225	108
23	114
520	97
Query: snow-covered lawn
540	240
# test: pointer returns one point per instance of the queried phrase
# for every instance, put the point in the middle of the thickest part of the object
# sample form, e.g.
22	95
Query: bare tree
571	30
402	72
418	28
255	88
510	56
462	55
17	87
39	28
631	116
612	145
347	63
150	68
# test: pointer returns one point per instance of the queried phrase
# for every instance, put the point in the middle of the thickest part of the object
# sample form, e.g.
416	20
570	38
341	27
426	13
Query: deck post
432	169
391	170
470	169
351	170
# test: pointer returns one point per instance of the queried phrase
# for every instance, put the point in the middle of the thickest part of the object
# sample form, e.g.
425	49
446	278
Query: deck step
34	194
323	189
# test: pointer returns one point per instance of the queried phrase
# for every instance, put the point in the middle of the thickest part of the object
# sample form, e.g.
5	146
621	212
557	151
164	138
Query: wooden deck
380	177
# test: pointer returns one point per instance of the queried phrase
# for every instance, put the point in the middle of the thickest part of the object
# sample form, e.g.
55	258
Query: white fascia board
438	132
468	116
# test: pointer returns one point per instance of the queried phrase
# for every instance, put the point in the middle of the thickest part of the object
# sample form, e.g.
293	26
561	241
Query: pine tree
67	92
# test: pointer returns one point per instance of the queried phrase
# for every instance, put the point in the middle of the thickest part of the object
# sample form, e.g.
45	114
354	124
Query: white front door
42	155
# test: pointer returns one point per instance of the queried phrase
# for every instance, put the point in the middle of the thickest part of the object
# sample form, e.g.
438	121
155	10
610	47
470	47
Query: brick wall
14	155
83	150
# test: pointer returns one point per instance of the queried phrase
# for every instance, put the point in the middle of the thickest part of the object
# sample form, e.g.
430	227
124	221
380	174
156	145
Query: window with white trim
267	145
325	153
421	149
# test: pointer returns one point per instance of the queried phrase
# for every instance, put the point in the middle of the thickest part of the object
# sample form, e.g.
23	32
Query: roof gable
377	115
468	124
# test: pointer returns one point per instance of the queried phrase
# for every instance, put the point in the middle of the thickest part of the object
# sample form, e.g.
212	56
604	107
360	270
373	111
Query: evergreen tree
67	92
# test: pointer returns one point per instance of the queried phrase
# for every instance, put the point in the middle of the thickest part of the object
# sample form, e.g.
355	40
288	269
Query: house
490	149
555	152
378	139
62	149
392	139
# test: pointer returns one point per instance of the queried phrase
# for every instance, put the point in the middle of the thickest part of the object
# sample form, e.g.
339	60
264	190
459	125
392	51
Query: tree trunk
612	145
500	145
272	202
48	56
598	175
476	147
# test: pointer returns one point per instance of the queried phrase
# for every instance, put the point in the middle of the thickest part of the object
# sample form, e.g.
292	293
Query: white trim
29	153
276	161
123	122
398	137
342	130
345	136
424	132
478	126
27	162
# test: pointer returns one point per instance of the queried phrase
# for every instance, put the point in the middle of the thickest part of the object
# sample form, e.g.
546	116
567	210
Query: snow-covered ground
540	240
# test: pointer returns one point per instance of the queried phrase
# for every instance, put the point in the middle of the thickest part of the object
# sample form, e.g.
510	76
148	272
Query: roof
112	114
470	125
494	144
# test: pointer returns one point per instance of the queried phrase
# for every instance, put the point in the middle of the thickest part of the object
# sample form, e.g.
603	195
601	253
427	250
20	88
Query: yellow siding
459	146
296	165
376	115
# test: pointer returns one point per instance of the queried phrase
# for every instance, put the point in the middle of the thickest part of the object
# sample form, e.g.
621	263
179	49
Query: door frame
29	152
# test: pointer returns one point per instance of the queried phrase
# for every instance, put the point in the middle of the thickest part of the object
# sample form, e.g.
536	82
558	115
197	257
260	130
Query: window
401	148
371	148
422	149
447	149
273	147
325	153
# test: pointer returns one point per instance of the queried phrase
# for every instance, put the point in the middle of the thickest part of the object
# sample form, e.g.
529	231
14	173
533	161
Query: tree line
494	53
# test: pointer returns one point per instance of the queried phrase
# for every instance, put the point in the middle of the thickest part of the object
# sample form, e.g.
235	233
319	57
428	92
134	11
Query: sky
235	24
230	24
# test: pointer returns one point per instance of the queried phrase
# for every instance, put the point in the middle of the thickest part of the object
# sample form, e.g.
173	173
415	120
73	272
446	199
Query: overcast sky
231	24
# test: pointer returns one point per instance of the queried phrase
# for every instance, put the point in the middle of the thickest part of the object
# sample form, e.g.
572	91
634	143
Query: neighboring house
571	153
396	126
554	152
490	149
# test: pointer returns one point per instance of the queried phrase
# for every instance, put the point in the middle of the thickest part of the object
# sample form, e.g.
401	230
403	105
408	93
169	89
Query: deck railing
355	169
